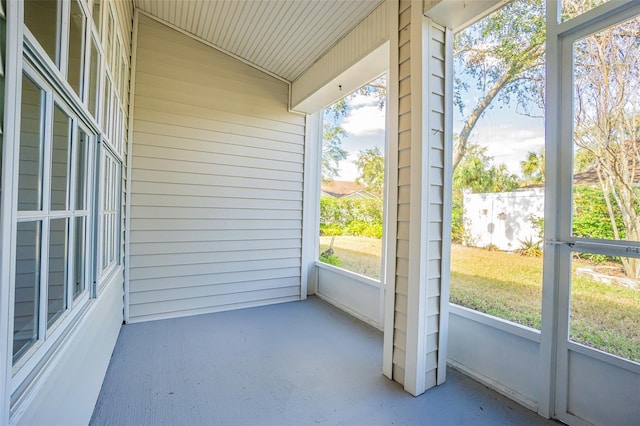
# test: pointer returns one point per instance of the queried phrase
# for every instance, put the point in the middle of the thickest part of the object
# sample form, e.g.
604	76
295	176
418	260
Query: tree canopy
370	163
332	151
499	58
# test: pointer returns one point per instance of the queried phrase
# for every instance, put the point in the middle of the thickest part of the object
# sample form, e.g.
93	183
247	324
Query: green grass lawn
358	254
509	286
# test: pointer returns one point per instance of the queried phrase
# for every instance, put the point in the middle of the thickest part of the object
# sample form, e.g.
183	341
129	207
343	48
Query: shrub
529	247
330	259
331	229
360	217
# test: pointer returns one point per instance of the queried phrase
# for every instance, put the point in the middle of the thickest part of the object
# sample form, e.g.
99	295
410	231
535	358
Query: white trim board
362	72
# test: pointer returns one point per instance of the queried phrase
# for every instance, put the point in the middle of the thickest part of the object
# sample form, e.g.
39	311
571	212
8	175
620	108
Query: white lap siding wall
217	170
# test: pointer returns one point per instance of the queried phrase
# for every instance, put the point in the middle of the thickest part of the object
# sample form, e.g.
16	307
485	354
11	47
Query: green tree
332	134
370	165
533	167
476	174
607	122
332	151
502	56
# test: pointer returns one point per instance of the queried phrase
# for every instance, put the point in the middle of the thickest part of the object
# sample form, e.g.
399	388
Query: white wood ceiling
284	37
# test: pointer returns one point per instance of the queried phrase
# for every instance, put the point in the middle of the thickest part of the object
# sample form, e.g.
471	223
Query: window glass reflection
27	279
30	163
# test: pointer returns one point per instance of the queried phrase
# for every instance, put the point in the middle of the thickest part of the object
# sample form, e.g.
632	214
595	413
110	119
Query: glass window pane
60	159
498	165
79	281
57	279
81	170
125	81
41	17
110	39
97	14
106	115
605	305
606	170
25	315
75	70
351	202
30	167
573	8
93	79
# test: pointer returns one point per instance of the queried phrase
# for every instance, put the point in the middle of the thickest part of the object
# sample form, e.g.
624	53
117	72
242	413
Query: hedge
360	217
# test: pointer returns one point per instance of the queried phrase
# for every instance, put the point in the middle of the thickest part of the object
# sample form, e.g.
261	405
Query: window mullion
63	44
47	144
71	258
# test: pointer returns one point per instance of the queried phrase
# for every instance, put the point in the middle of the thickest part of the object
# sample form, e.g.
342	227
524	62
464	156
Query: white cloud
364	120
362	100
509	144
348	170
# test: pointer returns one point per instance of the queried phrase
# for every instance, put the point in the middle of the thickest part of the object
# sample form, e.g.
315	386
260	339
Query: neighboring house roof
345	189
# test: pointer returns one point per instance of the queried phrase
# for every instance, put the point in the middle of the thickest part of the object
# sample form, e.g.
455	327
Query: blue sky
507	135
365	127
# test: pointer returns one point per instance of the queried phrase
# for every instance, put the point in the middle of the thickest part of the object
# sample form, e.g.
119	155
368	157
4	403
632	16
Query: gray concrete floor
297	363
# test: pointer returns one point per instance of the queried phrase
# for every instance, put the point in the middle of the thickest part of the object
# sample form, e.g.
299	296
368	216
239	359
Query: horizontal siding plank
189	213
401	303
399	357
404	19
167	283
160	225
211	268
165	200
165	260
210	290
175	306
212	247
204	169
399	340
397	373
173	125
185	177
214	191
275	119
205	95
405	87
404	140
402	285
177	154
404	176
400	321
212	235
175	56
213	309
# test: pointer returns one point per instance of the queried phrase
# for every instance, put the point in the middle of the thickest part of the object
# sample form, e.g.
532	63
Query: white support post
415	366
391	194
311	204
443	331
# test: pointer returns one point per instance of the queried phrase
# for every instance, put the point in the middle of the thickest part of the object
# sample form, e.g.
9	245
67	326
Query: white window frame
25	368
23	47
